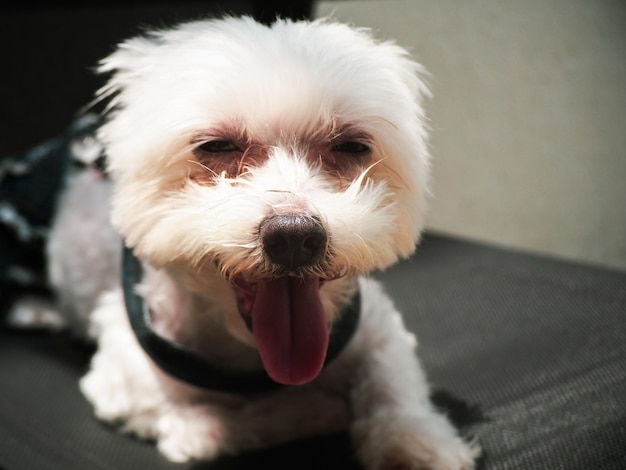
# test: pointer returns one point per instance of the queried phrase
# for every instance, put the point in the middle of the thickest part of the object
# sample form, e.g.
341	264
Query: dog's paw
395	442
34	312
132	400
110	401
189	433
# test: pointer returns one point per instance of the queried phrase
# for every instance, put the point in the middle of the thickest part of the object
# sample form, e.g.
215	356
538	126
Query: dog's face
280	162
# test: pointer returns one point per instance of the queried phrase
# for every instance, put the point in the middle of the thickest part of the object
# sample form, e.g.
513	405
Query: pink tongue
290	329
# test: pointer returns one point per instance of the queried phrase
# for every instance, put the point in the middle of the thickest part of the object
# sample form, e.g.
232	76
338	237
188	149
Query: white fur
289	90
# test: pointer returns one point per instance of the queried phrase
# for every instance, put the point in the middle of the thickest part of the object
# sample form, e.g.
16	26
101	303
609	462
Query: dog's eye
218	146
352	147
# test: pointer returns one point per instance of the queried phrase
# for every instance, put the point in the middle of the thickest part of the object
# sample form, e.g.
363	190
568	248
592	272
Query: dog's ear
127	64
413	74
395	59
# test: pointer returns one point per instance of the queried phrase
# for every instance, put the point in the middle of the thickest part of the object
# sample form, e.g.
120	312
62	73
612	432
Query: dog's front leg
121	384
395	425
125	388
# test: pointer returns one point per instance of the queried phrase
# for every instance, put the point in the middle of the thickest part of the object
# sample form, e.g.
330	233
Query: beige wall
529	117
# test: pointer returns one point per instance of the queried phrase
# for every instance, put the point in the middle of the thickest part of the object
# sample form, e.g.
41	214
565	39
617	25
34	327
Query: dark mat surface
526	353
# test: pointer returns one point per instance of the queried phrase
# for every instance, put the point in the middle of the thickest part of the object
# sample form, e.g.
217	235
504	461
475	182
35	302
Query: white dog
257	173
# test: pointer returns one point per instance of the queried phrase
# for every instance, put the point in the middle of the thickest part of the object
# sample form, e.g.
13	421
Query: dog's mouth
288	321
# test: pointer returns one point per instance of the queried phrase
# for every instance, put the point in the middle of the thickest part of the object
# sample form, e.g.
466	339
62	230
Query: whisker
203	166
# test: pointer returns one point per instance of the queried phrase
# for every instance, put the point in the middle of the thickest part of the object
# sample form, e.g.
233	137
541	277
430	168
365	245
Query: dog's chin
289	325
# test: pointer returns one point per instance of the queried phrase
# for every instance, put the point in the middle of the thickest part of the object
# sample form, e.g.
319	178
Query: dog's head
284	160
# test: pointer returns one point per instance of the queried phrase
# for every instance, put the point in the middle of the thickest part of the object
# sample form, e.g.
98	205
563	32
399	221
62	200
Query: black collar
188	366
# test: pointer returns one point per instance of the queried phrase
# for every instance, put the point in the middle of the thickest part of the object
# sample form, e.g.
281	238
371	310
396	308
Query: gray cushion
525	353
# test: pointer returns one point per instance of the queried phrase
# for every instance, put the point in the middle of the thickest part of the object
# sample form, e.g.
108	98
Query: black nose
293	241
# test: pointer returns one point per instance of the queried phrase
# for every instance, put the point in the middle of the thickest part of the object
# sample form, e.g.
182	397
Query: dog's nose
293	241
